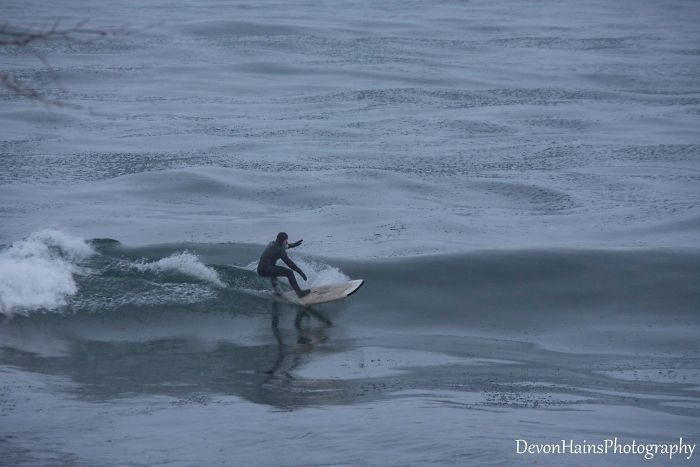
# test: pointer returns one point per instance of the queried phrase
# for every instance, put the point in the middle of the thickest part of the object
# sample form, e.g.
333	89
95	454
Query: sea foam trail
185	263
38	272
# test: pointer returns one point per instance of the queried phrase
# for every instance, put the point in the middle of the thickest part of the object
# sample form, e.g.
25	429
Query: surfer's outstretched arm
293	266
295	244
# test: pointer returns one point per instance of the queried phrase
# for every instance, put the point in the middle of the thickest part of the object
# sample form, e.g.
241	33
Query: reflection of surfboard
324	293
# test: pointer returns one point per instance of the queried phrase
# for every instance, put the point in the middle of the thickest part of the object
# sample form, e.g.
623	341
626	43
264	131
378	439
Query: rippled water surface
517	182
429	128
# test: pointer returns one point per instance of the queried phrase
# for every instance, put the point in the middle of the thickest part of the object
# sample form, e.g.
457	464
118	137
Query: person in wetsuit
277	250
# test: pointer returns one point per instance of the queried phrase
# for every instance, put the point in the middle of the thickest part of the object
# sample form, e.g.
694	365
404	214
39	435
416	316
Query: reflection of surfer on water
289	357
277	250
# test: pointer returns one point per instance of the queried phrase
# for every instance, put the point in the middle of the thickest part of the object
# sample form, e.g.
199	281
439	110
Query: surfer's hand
302	275
295	244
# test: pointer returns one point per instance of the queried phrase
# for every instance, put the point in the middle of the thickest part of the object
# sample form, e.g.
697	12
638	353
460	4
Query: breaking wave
39	271
185	263
54	271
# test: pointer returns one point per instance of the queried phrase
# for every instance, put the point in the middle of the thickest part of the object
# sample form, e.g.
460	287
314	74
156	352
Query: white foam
37	272
319	274
184	262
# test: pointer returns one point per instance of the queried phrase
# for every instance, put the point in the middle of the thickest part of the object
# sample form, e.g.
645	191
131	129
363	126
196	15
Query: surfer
277	250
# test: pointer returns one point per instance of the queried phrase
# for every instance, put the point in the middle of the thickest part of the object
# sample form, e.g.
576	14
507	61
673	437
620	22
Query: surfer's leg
279	271
275	285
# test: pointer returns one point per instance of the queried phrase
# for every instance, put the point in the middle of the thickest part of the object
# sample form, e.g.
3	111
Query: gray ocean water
517	182
392	128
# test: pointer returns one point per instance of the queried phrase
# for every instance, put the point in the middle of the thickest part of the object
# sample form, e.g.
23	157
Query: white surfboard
324	293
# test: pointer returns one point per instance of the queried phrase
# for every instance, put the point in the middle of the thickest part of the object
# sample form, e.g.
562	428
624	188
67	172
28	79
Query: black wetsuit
268	268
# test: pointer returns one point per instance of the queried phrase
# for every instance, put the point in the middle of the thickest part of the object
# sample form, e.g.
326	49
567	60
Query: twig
20	38
25	38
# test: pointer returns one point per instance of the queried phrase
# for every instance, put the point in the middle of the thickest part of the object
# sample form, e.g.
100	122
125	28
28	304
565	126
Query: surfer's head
282	238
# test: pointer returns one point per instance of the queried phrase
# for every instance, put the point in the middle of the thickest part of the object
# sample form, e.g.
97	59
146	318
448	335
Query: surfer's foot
303	293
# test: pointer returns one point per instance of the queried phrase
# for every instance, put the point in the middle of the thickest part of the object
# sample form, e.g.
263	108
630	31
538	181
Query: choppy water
401	128
516	181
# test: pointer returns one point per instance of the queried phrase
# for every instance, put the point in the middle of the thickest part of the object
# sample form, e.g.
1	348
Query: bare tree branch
21	37
7	80
26	38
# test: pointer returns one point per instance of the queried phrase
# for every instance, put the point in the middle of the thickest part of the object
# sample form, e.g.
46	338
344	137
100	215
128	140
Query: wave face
53	272
635	302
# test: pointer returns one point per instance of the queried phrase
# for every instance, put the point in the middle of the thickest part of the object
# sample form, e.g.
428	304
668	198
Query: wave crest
38	272
185	263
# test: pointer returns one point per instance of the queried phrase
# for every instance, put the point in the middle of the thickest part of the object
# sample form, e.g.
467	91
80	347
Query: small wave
38	272
185	263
